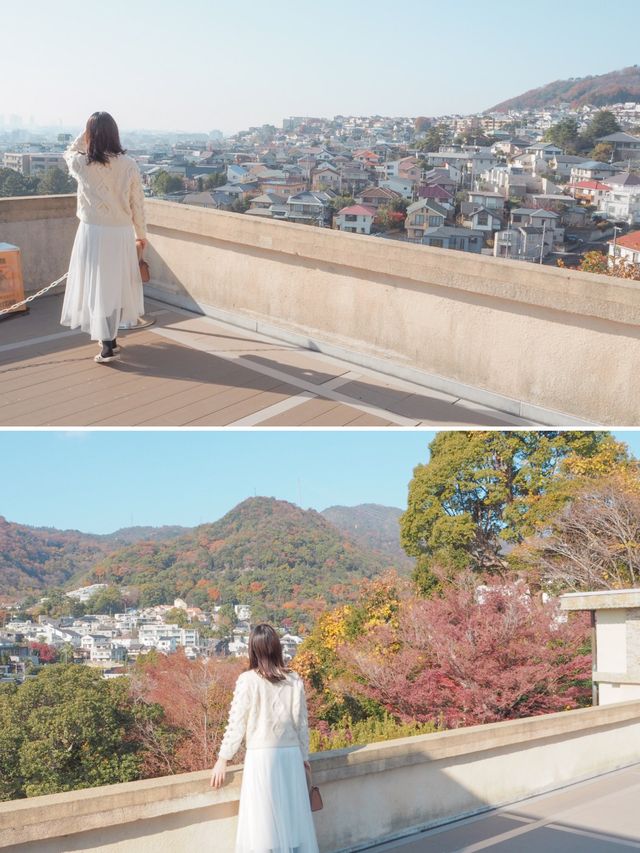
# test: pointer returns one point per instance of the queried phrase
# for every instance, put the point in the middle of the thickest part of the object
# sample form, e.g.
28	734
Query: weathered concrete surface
43	228
372	793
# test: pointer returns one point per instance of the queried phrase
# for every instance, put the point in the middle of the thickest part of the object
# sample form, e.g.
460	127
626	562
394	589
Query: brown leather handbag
145	275
315	798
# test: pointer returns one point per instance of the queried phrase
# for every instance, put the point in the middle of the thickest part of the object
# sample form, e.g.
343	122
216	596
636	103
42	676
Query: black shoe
107	354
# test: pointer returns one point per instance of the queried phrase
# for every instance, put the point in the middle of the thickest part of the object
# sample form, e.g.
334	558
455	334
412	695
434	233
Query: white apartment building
31	165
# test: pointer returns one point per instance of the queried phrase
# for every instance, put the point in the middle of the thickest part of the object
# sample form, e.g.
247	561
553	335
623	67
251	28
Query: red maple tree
195	696
475	655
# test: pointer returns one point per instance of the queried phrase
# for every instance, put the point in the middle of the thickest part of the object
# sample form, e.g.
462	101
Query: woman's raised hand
218	773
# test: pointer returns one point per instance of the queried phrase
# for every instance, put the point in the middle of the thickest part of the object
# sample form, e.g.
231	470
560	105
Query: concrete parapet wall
43	228
381	791
554	346
533	341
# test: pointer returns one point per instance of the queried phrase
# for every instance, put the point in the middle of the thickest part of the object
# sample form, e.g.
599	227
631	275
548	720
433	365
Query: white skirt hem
103	288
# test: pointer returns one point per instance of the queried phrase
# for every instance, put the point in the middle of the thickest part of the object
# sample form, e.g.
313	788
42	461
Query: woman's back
270	713
109	193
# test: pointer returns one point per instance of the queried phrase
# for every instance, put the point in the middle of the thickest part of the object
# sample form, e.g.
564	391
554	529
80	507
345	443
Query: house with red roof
357	219
626	249
589	192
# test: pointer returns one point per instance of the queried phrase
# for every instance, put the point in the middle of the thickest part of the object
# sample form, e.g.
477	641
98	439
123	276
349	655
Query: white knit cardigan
268	714
110	193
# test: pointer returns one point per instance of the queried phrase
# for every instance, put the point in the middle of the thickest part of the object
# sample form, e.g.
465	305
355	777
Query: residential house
404	186
237	174
422	216
522	243
437	193
589	192
462	239
290	186
562	164
592	170
480	218
357	219
545	151
625	146
547	220
626	249
325	176
622	202
310	208
269	205
489	200
449	179
377	196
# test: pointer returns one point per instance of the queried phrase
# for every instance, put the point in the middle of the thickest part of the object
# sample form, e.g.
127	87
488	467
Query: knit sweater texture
110	193
267	714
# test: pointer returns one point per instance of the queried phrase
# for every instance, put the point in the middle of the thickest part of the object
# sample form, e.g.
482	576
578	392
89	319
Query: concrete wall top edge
561	290
165	792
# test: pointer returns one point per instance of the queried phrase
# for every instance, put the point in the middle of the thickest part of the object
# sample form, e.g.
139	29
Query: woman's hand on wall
218	773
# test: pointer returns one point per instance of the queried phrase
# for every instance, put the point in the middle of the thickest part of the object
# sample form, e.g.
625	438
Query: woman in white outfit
269	709
103	286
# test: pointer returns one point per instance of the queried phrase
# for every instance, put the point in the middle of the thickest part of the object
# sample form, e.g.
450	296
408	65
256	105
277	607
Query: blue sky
100	480
226	65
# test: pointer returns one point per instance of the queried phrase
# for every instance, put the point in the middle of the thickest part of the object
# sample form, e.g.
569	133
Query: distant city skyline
213	67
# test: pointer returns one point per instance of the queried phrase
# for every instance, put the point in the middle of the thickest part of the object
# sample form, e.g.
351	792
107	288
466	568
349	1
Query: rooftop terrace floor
597	816
190	370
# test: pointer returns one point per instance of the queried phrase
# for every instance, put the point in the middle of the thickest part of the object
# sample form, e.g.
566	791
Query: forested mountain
600	90
372	526
267	552
35	558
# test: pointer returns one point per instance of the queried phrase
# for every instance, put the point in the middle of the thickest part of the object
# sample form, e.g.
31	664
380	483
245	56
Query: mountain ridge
598	90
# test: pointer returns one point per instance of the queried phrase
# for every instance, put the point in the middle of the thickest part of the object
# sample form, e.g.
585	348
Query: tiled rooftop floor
189	370
598	816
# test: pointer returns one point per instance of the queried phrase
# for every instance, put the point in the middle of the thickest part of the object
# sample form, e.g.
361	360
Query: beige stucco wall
536	337
551	345
371	793
43	228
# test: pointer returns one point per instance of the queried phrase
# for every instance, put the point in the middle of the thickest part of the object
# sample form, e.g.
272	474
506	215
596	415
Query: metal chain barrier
33	295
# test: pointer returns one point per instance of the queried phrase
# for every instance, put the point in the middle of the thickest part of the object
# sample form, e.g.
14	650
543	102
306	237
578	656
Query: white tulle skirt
103	286
275	815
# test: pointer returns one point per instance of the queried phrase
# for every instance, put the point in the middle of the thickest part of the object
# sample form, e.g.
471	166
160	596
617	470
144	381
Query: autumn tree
474	655
593	542
601	264
481	489
194	696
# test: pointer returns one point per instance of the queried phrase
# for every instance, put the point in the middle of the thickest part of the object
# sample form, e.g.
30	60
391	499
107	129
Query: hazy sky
100	480
217	64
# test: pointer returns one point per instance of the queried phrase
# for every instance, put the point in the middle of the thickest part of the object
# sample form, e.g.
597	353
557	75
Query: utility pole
544	227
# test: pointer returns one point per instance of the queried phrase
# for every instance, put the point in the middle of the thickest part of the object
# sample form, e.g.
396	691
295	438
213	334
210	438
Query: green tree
164	183
602	124
56	182
564	134
68	729
107	600
177	616
481	489
215	179
12	183
435	137
226	621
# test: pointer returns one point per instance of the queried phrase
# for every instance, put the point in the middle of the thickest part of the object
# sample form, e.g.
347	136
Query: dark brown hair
265	653
102	138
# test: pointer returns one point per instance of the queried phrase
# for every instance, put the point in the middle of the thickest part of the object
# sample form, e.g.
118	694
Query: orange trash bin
11	284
